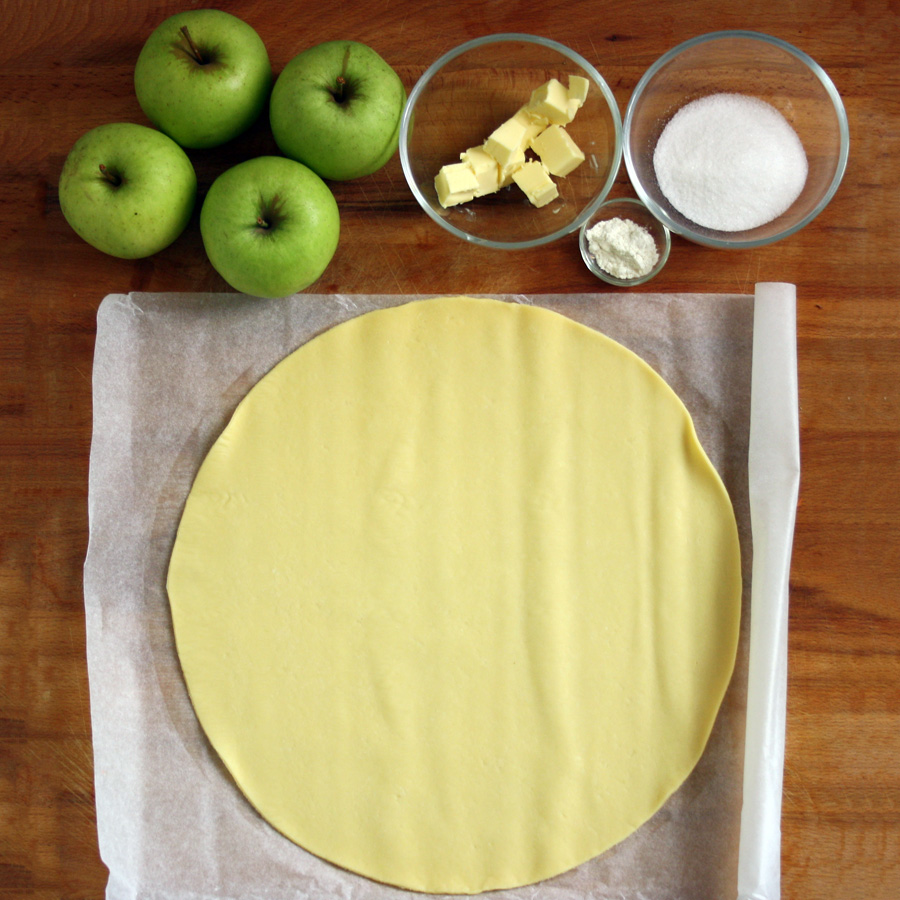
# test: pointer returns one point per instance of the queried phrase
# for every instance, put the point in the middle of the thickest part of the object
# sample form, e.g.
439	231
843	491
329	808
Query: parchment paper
168	372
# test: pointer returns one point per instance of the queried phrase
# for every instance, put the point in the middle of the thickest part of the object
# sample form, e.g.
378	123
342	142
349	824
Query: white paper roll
774	472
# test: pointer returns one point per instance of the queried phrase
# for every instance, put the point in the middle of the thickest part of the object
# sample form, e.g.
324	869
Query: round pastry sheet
456	594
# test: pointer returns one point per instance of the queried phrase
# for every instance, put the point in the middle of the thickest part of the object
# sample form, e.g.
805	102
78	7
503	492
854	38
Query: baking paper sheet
168	372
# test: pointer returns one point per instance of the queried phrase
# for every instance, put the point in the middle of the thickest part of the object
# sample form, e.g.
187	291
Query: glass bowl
756	65
473	89
626	208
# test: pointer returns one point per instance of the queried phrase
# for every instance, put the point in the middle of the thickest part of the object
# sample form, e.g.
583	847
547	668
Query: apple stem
270	214
342	78
109	176
198	56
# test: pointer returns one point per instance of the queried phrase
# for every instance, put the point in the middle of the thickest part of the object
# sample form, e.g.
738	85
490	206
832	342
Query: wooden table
67	66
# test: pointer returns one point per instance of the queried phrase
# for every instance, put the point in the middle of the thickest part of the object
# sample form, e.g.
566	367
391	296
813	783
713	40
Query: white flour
623	248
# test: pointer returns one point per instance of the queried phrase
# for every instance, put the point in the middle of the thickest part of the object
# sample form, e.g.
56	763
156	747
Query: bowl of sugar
510	141
735	139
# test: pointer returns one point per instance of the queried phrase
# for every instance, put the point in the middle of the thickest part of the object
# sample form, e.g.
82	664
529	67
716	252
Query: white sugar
730	162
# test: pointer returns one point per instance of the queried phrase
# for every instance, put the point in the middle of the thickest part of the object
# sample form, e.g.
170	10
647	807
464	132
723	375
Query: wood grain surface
67	66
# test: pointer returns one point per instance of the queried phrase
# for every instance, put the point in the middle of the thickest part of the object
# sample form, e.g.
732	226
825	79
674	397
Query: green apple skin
142	203
341	131
270	226
203	104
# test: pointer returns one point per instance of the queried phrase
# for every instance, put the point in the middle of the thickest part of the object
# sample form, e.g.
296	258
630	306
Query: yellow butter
558	152
578	89
532	177
455	183
512	139
485	167
533	124
506	172
550	101
507	141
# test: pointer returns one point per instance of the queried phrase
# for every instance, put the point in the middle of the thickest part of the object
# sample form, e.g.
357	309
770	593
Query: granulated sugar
730	162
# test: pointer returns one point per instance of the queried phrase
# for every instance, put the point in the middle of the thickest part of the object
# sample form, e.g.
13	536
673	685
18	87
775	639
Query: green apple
203	77
336	108
270	226
128	190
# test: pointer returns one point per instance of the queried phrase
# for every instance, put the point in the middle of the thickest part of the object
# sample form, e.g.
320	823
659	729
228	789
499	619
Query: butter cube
455	183
506	141
485	167
578	89
533	124
550	101
558	152
515	162
532	177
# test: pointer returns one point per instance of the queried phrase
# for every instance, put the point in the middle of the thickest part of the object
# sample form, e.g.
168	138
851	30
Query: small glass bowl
741	62
465	95
626	208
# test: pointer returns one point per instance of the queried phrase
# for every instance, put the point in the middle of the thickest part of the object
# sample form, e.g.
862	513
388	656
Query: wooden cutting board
67	66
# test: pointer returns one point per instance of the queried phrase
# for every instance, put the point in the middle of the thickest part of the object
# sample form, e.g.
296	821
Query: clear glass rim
812	65
509	37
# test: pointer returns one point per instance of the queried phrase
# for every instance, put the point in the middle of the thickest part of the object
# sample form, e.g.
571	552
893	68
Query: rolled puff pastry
456	594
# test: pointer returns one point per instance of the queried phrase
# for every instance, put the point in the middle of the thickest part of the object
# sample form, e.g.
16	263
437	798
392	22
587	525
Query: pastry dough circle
456	594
